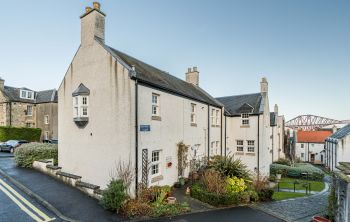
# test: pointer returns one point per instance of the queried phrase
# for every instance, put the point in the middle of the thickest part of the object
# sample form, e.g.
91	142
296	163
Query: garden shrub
214	182
162	210
265	194
136	208
199	192
17	133
235	185
296	171
26	154
254	197
283	162
227	166
114	196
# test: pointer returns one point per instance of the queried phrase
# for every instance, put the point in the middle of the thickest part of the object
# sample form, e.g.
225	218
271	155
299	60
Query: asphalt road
18	207
237	214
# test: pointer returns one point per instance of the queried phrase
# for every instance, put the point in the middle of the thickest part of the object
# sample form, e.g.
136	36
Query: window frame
155	163
193	116
46	120
155	104
81	106
250	145
245	120
239	147
30	109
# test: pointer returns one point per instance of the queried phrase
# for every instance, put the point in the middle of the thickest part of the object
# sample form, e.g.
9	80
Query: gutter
208	133
136	133
258	148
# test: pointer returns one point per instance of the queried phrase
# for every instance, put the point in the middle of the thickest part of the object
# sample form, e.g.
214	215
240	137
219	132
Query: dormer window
81	105
26	94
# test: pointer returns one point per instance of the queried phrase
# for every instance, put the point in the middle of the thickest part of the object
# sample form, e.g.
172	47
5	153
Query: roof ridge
248	94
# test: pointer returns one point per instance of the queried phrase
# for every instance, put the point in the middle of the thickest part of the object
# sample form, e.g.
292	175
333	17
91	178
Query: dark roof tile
236	105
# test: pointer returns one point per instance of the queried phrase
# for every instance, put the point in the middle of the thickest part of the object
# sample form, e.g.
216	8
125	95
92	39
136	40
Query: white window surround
217	118
212	148
46	136
245	119
217	147
240	145
193	113
80	106
46	119
302	145
251	146
155	104
26	94
29	110
155	163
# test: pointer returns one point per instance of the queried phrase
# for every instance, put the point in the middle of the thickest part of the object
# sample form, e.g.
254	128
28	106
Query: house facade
337	148
277	123
23	107
114	108
248	129
310	145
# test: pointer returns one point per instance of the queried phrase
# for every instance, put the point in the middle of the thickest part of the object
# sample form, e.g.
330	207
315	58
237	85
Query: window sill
245	126
194	124
239	153
215	126
157	178
250	154
158	118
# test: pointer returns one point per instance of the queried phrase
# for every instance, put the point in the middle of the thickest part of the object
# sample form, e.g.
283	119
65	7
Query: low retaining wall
47	167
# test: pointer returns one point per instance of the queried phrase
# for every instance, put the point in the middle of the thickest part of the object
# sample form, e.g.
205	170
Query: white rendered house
277	135
113	107
248	130
337	148
310	146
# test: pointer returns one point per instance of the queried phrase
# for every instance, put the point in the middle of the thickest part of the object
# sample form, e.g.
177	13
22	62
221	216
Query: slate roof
46	96
343	132
236	105
81	90
313	136
273	119
155	77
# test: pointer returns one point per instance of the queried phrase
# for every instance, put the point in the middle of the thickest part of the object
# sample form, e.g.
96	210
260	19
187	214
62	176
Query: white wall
304	154
93	151
174	127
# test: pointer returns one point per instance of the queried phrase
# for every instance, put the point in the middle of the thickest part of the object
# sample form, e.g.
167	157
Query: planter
182	181
278	176
171	200
177	185
319	219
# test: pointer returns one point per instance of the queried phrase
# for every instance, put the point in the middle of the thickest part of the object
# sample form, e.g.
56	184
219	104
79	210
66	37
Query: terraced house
116	108
23	107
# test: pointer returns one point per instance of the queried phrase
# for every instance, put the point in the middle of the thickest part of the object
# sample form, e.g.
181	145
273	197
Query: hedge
296	171
198	192
26	154
15	133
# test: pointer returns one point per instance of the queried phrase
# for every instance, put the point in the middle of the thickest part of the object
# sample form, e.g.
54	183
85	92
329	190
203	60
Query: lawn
287	183
286	195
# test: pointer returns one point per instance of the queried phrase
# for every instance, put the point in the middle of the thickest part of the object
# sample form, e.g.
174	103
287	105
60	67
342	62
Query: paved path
298	209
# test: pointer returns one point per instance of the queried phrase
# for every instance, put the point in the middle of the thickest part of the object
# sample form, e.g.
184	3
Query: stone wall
51	128
19	116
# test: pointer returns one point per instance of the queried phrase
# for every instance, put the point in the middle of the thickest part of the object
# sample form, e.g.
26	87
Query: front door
312	158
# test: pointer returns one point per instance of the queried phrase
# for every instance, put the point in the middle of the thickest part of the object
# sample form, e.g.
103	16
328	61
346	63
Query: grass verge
286	195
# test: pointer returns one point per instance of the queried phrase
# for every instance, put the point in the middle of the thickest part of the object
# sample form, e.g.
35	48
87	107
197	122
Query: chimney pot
97	5
189	70
192	76
195	69
88	9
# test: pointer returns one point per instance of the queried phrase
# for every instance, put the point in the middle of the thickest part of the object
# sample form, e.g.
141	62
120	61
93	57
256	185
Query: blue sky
302	47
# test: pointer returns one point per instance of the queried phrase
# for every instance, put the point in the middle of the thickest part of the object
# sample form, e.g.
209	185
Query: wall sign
145	128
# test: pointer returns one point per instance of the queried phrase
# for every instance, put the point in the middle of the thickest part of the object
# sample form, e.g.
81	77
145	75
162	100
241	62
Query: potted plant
278	174
171	200
182	181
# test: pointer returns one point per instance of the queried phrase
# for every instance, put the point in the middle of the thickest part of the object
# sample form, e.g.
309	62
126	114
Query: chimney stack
2	84
276	109
264	86
92	25
192	76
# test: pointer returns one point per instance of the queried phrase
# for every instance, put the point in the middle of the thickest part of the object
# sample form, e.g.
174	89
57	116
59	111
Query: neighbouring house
277	123
23	107
337	148
115	108
310	145
248	128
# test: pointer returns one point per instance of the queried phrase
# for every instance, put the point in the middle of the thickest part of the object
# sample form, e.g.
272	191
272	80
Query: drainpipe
332	156
221	133
258	147
308	152
208	133
335	155
225	136
272	143
136	132
10	113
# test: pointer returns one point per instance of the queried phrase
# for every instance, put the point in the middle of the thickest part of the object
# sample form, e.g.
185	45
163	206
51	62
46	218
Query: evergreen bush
15	133
26	154
114	196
